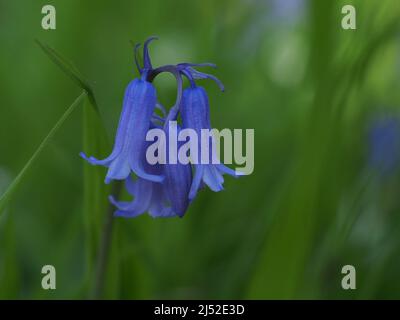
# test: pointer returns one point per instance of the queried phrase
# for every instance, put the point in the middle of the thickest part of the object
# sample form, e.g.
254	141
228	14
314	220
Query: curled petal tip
239	174
136	54
150	177
92	160
201	75
203	64
146	57
218	82
112	200
149	39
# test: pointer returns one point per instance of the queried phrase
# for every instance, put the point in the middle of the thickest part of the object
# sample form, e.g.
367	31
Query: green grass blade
95	142
70	70
95	191
5	198
9	275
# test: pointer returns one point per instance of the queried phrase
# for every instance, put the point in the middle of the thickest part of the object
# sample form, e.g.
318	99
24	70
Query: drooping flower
148	196
195	114
138	107
167	199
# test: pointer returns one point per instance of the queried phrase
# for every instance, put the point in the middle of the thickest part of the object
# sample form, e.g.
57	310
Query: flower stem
104	248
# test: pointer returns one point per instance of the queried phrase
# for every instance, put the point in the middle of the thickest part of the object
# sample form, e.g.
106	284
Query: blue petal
226	170
161	212
195	109
146	56
177	184
178	180
122	128
143	105
196	115
158	207
136	56
148	196
213	178
201	75
119	169
197	181
127	214
132	186
204	64
141	202
138	107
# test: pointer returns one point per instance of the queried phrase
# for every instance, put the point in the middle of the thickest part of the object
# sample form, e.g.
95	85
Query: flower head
162	190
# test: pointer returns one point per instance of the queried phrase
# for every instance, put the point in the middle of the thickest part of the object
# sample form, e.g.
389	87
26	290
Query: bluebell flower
195	114
138	107
162	190
148	196
167	199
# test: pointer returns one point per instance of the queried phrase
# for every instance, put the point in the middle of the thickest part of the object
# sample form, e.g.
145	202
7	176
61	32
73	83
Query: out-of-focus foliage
324	104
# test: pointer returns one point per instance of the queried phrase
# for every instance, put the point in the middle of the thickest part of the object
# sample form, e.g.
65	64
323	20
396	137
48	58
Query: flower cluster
162	190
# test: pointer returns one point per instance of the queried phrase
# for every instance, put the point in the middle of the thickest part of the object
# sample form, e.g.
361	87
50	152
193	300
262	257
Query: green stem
104	249
13	186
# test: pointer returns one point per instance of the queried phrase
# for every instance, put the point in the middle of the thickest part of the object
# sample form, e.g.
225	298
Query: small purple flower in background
287	11
384	144
162	190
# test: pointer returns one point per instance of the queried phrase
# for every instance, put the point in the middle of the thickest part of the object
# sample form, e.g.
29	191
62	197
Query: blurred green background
324	103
